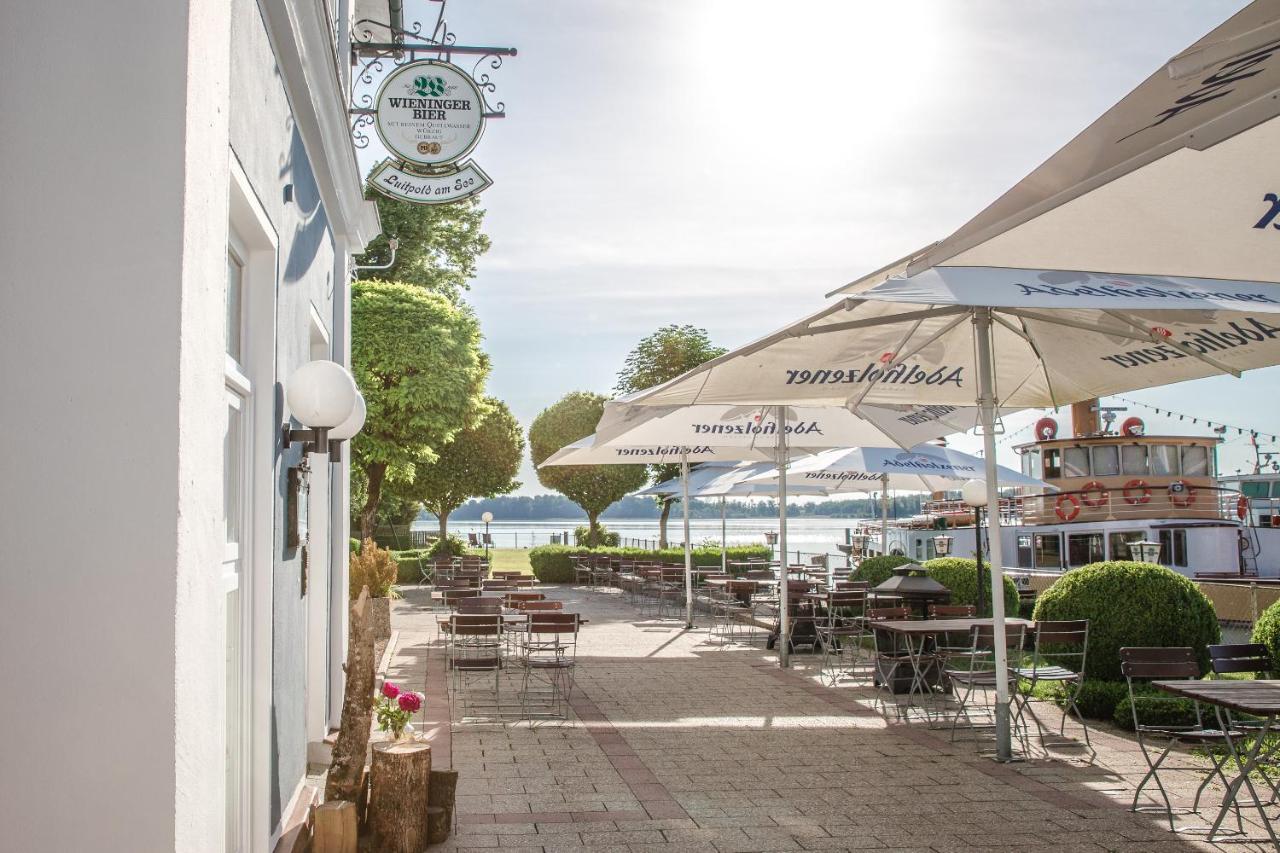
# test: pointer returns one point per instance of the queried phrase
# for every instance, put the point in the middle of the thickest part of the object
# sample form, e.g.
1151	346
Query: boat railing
1136	501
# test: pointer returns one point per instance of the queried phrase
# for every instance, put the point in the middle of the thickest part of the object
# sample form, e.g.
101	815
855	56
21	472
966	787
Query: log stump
347	769
437	824
440	795
336	828
399	790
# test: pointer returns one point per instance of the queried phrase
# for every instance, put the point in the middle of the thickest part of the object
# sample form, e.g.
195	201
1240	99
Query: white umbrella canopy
588	451
719	479
1175	179
862	469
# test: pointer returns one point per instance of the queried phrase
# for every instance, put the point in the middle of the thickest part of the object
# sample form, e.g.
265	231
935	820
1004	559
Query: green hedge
1267	631
552	564
960	575
877	570
411	562
1131	604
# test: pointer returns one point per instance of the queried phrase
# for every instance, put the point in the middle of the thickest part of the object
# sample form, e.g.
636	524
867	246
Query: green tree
438	244
480	462
416	357
592	487
666	354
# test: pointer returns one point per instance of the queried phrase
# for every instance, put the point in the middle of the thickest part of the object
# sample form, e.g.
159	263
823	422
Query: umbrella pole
987	414
688	550
884	515
724	541
784	605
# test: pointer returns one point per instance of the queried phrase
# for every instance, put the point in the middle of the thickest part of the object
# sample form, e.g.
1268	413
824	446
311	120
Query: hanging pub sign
442	187
429	114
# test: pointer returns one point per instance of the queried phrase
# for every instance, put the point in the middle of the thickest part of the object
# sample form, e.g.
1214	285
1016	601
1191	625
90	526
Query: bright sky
727	162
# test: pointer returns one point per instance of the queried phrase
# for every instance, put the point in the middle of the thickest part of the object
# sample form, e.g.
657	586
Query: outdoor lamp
942	544
1144	551
974	492
486	517
322	395
348	429
859	542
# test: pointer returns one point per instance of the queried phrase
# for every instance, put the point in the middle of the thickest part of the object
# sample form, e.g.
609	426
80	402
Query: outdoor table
916	634
1259	698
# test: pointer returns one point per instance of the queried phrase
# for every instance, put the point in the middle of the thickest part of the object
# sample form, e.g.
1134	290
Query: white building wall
112	231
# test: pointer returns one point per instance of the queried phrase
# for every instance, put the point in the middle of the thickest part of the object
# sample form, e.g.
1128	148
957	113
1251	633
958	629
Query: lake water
807	535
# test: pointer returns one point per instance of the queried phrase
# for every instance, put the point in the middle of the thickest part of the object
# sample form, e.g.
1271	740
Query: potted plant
373	567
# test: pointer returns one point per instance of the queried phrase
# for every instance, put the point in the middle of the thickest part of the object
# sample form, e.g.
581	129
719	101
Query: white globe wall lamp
323	397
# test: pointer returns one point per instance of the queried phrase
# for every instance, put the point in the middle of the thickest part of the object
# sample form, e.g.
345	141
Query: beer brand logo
427	87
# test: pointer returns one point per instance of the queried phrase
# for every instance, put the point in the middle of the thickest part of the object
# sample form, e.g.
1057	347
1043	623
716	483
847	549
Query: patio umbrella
1024	338
1175	179
927	468
589	451
777	430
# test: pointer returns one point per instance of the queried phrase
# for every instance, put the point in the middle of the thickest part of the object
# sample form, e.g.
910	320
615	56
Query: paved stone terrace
678	743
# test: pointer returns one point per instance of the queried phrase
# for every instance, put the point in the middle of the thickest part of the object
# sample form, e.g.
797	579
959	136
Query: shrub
411	562
372	567
960	575
1131	604
606	537
354	546
877	570
552	564
1154	709
1267	631
448	546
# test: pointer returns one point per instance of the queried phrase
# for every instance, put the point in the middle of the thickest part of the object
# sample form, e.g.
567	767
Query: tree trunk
442	795
347	770
336	828
444	524
593	529
399	790
376	473
662	521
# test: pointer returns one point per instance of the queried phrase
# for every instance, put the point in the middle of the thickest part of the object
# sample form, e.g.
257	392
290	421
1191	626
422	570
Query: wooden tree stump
441	794
336	829
437	824
347	769
399	790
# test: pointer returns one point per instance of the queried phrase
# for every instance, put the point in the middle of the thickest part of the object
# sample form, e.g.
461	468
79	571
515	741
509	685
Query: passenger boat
1116	487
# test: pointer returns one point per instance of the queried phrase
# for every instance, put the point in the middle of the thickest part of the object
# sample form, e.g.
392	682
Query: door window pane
1052	464
231	469
1254	489
1031	463
1075	462
1118	543
1195	461
1164	460
1048	551
1106	461
1133	459
1024	552
1173	548
1084	548
235	301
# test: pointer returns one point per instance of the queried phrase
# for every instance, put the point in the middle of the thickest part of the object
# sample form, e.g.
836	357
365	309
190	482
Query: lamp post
1145	551
974	493
486	517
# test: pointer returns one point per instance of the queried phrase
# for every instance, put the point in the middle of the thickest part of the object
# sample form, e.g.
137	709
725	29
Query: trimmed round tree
1131	604
1267	631
960	575
877	570
592	487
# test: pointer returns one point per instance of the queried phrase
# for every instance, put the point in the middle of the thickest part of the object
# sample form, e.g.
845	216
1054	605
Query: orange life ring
1094	486
1242	507
1137	486
1069	514
1181	495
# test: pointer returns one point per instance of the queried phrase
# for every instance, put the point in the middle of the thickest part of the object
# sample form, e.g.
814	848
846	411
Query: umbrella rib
1073	324
882	321
1025	334
1157	339
853	405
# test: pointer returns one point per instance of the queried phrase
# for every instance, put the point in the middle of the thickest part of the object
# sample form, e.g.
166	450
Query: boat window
1133	459
1173	548
1024	552
1164	460
1106	461
1255	488
1118	543
1048	550
1275	488
1031	463
1195	461
1084	548
1075	462
1053	463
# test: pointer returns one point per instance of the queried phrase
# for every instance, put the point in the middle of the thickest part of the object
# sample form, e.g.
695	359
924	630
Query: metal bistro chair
842	633
889	653
1059	655
951	643
728	611
1253	659
548	659
976	671
601	573
1170	664
474	653
581	569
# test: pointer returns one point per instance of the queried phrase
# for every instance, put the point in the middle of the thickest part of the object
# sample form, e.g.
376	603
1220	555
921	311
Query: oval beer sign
429	113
